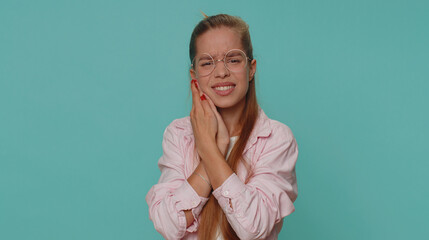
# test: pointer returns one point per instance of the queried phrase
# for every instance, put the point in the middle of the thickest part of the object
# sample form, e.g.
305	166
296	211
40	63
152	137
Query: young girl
227	170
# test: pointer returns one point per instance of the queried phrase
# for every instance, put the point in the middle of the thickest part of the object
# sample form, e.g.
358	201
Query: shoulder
281	130
274	129
180	127
280	148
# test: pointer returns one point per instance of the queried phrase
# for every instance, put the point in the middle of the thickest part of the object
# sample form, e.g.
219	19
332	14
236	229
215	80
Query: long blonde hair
212	215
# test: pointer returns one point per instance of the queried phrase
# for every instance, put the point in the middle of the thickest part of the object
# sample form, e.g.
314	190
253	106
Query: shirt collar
262	128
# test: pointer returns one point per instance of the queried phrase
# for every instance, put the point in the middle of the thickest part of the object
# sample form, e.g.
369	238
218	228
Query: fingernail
203	97
194	81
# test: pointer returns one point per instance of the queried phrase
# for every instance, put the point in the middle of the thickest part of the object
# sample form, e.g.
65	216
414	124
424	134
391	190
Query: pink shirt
258	207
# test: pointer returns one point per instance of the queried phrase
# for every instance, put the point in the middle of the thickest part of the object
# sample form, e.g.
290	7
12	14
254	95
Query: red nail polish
203	97
194	81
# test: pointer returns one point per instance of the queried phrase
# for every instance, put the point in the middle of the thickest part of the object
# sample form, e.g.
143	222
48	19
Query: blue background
88	87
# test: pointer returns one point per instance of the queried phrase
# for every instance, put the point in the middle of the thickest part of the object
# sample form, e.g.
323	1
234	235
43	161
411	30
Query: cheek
203	85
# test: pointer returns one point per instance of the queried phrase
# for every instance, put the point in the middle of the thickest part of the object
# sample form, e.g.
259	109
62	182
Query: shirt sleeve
254	208
172	195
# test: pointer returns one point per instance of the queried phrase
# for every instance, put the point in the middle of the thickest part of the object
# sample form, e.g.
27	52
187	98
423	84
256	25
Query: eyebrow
236	54
204	55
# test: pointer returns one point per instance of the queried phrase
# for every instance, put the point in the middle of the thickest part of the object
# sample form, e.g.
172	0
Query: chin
224	104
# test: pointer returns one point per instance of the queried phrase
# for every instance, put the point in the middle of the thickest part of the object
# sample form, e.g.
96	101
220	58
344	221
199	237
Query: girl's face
217	42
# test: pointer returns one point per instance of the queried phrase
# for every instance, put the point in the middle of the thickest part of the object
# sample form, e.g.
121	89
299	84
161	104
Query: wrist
207	147
210	152
224	150
223	141
223	147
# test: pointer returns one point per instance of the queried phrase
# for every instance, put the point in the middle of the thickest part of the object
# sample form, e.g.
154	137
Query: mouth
223	89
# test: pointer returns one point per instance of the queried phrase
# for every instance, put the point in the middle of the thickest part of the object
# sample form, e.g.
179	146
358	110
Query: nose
220	69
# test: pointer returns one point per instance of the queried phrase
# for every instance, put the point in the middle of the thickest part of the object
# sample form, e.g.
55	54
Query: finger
213	107
192	113
202	98
196	101
206	105
200	92
219	118
197	86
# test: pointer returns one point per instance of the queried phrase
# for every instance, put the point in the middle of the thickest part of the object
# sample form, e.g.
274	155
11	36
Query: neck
231	117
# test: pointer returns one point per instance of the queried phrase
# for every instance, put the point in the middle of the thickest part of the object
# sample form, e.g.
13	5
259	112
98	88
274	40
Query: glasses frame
223	60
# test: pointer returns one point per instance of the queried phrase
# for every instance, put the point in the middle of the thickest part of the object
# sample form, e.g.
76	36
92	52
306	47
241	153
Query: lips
223	84
223	89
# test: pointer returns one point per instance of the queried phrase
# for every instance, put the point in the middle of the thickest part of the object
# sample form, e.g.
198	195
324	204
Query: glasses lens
204	65
235	60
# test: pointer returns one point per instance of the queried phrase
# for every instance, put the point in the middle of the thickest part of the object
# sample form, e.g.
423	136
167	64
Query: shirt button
225	193
194	203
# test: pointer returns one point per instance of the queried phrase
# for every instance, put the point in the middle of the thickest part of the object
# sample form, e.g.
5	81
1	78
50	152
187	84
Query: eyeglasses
235	60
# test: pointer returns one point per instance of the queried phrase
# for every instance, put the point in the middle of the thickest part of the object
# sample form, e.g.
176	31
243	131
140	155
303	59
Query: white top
232	141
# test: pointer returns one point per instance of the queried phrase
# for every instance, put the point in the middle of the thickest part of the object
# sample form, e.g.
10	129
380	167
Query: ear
252	69
192	73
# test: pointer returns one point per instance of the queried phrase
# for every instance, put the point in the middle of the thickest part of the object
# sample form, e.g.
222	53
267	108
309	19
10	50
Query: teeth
224	88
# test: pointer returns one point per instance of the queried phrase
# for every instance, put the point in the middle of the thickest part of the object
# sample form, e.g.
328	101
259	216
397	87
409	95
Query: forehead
218	41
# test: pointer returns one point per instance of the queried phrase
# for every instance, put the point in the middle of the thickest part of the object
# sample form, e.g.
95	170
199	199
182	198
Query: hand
222	136
204	122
